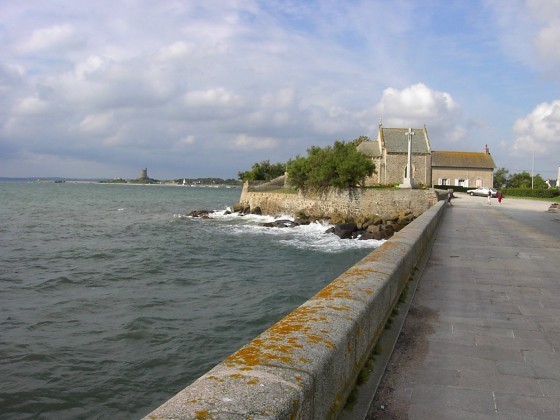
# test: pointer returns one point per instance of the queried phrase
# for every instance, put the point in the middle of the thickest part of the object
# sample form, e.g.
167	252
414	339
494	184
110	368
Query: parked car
483	191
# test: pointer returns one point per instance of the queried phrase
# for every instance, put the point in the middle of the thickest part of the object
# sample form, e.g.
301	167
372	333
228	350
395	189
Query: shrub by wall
455	188
528	192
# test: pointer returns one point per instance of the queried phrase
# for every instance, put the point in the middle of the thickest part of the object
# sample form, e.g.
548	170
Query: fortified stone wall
356	202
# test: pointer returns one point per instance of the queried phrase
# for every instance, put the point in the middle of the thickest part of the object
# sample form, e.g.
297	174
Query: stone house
389	152
464	169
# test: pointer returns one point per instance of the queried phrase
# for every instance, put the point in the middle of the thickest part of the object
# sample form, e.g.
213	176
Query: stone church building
389	152
390	155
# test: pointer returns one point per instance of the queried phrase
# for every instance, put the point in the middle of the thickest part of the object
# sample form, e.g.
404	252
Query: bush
341	166
528	192
455	188
263	171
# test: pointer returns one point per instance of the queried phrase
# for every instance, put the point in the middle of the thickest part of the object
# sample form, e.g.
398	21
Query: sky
103	89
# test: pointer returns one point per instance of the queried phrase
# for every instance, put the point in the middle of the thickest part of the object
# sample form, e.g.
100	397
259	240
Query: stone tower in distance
144	174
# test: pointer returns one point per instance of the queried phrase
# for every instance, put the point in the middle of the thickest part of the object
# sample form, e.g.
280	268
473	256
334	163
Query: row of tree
503	179
341	166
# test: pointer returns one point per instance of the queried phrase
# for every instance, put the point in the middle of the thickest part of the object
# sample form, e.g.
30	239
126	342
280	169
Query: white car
483	191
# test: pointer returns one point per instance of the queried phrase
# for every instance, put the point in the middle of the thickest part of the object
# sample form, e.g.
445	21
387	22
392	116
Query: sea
113	299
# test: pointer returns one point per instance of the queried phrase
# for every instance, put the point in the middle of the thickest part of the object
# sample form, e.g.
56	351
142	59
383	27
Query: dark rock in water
345	230
379	236
199	213
285	223
302	221
257	211
373	228
282	223
366	235
330	230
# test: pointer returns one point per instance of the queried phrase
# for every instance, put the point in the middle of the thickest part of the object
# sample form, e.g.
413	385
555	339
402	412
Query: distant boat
184	182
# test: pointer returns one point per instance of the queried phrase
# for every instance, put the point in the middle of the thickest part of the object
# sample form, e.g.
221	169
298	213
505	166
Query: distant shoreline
196	184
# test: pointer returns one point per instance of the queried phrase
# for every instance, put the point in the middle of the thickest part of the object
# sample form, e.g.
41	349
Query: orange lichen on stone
314	338
334	290
253	381
293	342
195	401
202	414
215	378
237	376
358	270
339	308
281	339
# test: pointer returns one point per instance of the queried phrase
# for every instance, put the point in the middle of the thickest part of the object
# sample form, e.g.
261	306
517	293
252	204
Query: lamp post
408	182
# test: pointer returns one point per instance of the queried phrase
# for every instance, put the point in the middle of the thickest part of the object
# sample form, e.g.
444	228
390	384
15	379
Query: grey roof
463	160
396	140
369	148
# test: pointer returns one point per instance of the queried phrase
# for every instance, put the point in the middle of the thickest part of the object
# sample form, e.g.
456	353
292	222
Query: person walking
449	197
500	196
489	196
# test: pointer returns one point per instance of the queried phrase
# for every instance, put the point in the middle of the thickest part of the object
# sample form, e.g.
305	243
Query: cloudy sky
191	88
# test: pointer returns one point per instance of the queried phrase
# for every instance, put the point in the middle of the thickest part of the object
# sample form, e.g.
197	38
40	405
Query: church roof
396	140
369	148
463	160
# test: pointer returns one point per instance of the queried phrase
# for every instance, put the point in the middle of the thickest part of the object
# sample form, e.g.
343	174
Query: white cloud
245	142
539	131
184	142
177	81
418	105
57	36
97	123
546	43
93	64
280	99
176	50
215	97
29	106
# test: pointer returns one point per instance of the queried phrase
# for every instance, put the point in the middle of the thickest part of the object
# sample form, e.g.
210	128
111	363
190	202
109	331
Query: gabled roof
369	148
396	140
463	160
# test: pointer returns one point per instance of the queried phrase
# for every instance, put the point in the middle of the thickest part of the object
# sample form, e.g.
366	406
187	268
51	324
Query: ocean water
112	299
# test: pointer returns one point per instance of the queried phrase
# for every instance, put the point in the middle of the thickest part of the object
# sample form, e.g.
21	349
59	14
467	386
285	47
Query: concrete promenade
482	337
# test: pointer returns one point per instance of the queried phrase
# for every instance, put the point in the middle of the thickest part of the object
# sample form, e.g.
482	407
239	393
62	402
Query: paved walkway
482	338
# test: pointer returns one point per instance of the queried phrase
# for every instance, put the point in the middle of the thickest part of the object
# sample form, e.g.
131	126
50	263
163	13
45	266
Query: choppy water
111	300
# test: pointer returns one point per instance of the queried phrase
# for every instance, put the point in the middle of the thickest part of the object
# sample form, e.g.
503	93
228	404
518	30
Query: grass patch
352	398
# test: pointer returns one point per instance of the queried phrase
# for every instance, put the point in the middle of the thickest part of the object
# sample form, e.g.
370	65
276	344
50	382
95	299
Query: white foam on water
305	237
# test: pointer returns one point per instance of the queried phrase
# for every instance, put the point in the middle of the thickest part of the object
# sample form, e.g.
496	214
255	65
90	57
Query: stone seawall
305	365
356	202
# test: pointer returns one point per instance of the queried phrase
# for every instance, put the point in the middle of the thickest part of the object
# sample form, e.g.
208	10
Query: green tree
523	180
263	171
501	178
341	166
